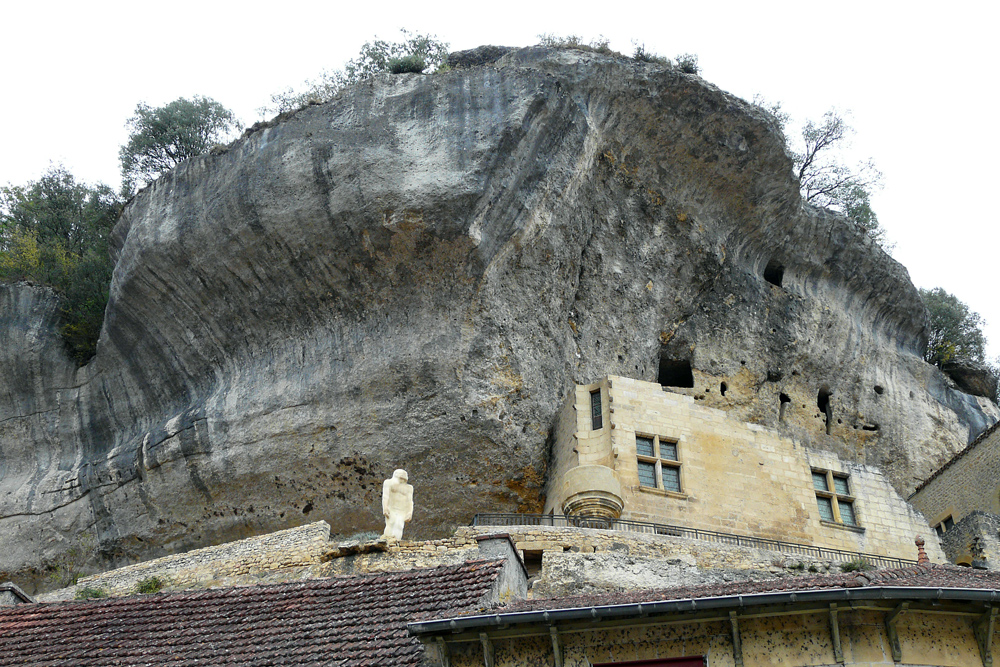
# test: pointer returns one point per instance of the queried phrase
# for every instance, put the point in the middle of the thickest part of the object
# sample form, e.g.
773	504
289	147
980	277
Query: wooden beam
556	647
838	652
443	654
737	644
890	630
984	634
489	658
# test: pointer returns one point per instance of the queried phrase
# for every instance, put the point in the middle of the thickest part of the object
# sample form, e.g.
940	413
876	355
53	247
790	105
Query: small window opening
945	525
824	405
723	388
596	411
674	373
532	563
784	406
774	273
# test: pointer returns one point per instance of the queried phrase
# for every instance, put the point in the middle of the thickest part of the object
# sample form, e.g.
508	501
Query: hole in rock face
869	427
308	508
774	273
823	403
784	405
675	373
774	376
879	390
723	388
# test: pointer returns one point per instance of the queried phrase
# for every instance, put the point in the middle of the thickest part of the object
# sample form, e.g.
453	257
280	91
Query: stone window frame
659	461
944	525
836	497
596	410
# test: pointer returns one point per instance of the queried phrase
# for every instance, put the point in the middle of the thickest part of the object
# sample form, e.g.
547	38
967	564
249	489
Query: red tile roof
344	621
916	576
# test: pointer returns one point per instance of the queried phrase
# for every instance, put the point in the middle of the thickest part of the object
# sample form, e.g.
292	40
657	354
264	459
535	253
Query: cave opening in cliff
675	373
825	406
784	403
774	273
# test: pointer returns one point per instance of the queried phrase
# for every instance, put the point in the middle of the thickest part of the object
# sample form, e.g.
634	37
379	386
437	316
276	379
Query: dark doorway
675	373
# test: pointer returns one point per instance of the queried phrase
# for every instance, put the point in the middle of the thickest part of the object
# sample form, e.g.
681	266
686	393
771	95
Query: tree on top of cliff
824	178
413	53
828	182
956	333
161	138
55	231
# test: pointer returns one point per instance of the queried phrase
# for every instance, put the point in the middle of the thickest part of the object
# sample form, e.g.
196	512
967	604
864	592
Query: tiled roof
343	621
972	445
916	576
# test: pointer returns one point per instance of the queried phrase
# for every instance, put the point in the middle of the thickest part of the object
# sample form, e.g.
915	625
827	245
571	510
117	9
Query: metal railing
562	521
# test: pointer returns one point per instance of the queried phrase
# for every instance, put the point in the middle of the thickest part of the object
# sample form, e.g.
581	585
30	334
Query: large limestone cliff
412	275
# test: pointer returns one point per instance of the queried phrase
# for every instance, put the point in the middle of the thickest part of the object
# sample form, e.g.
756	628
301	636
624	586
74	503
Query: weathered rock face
412	275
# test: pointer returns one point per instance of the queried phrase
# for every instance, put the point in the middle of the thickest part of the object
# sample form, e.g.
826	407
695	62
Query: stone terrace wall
304	545
558	558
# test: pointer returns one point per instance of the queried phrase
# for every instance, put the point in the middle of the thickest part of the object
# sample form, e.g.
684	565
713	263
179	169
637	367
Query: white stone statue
397	504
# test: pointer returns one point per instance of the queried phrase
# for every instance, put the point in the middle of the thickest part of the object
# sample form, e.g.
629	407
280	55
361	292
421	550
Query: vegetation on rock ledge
956	333
55	231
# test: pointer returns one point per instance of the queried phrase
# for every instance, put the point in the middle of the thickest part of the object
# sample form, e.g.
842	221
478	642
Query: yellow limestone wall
972	482
802	640
735	477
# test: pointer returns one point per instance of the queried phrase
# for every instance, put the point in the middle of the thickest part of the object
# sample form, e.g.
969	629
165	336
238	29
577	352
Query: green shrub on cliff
407	65
55	231
376	56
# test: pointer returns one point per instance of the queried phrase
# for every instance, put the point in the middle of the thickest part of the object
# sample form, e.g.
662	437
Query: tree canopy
824	179
56	231
828	182
161	138
956	333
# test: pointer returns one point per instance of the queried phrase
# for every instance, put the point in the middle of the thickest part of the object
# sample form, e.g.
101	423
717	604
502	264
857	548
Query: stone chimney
11	594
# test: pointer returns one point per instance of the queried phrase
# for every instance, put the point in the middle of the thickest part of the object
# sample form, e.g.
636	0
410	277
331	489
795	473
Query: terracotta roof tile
917	576
343	621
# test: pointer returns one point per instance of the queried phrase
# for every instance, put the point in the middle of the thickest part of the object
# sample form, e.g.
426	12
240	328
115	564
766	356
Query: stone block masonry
304	545
560	560
678	462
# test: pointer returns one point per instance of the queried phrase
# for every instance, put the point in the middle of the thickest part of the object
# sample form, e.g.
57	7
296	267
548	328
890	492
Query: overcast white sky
918	78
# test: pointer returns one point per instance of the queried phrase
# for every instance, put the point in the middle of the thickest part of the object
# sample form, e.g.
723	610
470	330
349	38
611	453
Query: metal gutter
646	609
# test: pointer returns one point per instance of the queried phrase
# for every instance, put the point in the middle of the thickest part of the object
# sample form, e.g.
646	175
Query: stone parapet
304	545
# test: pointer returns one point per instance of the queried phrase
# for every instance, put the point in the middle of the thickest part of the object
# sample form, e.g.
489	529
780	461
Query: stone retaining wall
559	560
304	545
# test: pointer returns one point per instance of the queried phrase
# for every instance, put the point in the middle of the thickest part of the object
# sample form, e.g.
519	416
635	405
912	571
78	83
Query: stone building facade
627	449
962	502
